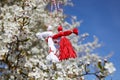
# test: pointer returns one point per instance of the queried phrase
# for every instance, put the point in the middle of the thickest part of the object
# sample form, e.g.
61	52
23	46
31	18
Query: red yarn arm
68	32
56	35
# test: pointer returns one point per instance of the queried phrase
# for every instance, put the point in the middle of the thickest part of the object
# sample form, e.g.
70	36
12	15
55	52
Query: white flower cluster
89	47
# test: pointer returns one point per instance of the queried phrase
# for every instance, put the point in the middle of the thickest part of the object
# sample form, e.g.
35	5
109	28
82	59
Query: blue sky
101	18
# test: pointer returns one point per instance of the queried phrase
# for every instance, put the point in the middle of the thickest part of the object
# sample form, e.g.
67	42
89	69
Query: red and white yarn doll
47	36
66	49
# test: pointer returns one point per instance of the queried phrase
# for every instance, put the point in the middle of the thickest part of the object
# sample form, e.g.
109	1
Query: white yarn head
49	28
37	34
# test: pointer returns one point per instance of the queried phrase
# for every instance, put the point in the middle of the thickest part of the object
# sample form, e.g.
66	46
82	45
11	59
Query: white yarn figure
47	35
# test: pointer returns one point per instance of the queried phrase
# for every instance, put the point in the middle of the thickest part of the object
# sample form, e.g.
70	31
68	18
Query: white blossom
28	64
60	78
110	67
12	77
45	74
35	50
59	66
